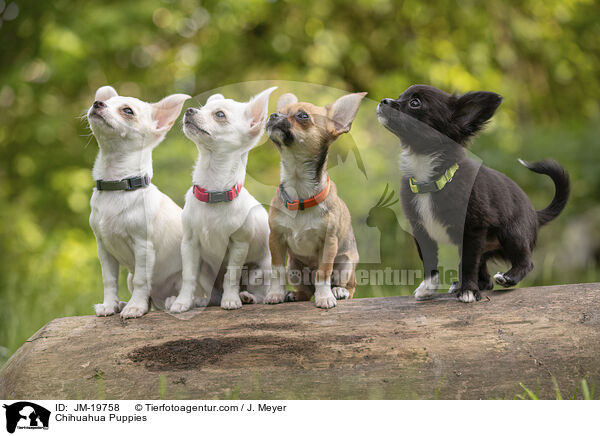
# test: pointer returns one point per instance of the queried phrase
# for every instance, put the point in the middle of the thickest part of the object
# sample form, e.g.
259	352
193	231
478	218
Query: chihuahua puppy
308	220
225	229
135	224
448	197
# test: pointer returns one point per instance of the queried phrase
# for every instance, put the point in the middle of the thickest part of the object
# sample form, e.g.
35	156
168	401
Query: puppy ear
105	93
257	109
166	111
341	112
473	109
286	99
215	97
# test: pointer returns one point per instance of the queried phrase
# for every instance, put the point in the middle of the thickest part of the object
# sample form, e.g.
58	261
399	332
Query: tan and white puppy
225	229
135	224
308	221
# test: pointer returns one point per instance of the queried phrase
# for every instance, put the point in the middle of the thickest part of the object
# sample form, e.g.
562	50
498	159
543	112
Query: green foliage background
542	56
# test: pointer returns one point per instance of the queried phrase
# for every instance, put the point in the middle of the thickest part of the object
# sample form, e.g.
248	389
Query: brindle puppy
307	218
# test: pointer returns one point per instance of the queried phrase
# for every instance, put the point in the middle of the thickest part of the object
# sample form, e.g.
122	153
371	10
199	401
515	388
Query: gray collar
130	184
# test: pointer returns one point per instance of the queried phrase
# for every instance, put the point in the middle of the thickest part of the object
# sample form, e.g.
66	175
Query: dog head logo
26	415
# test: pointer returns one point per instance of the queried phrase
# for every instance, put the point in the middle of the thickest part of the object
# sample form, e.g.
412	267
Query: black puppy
449	197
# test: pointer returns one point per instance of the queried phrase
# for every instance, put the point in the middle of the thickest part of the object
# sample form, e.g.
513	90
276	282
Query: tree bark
374	348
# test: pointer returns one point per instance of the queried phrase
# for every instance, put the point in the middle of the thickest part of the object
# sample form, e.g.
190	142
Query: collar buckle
217	196
422	187
137	182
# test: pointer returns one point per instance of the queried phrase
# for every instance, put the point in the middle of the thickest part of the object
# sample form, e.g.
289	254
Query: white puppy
224	227
135	224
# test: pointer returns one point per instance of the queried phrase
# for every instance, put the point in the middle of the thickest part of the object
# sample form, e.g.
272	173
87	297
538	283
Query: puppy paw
504	280
468	296
275	297
169	302
201	302
454	287
247	298
325	302
107	309
180	305
290	297
426	290
134	310
230	302
340	293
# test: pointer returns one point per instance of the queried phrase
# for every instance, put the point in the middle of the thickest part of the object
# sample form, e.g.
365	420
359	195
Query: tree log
372	348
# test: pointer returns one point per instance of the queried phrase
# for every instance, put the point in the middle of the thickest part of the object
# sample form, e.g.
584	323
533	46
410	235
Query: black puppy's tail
560	177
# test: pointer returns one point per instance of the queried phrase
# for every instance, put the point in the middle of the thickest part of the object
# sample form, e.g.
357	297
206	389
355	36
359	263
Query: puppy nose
387	101
98	104
191	111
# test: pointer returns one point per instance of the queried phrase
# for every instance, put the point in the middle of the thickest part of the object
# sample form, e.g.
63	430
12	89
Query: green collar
437	185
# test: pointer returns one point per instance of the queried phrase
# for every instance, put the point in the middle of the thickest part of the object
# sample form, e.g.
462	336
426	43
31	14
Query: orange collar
303	203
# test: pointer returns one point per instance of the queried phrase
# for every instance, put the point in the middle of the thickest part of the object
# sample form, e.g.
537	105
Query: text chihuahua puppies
225	229
135	224
448	197
309	222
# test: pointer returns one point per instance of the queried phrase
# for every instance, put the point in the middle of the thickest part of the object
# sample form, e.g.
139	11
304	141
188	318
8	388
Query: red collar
217	196
302	204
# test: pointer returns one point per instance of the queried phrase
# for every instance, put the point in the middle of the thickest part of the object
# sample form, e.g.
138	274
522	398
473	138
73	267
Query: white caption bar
298	417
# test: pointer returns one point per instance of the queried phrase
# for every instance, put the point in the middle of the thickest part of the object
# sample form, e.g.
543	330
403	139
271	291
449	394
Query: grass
437	390
586	393
162	387
99	376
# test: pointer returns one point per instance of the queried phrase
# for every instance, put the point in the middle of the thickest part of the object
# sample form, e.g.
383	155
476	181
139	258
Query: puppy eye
127	110
302	116
414	103
220	114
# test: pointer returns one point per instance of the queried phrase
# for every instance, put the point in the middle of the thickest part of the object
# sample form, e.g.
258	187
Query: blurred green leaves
543	57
